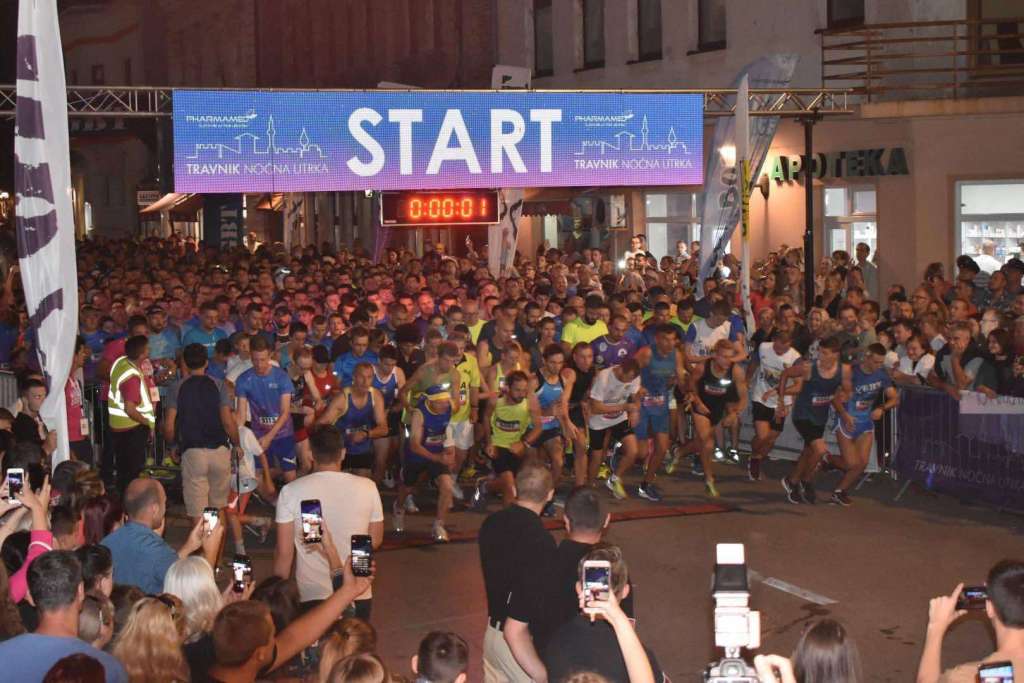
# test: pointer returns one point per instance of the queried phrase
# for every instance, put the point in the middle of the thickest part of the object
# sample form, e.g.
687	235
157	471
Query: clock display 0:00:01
447	207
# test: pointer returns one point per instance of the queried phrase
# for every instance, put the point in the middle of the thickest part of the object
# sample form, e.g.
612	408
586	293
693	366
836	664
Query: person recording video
1002	598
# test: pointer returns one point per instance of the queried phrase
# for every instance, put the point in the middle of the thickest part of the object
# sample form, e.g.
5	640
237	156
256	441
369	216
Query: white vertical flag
743	161
44	220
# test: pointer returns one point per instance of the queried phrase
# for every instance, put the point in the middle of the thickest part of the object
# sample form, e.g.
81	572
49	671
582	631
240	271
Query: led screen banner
308	141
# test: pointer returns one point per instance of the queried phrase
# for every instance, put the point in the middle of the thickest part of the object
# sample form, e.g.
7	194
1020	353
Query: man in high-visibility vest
131	411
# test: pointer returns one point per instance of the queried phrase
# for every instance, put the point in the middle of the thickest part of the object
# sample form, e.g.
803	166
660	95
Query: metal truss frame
156	102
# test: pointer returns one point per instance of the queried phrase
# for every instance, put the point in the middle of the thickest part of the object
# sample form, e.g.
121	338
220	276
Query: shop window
711	25
850	218
593	34
671	217
543	56
649	29
990	218
845	13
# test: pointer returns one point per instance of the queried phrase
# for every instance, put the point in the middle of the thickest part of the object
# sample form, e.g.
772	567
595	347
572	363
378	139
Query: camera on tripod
736	625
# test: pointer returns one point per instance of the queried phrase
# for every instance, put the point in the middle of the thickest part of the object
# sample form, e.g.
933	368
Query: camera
736	625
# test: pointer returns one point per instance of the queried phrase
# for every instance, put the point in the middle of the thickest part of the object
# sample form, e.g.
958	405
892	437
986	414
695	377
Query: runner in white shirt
771	359
710	331
614	407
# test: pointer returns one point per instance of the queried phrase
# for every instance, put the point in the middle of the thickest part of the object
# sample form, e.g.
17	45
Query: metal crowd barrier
974	457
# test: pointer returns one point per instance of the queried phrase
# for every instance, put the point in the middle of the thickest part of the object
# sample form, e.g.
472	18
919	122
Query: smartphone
312	521
596	581
242	569
362	554
996	672
15	482
972	597
211	515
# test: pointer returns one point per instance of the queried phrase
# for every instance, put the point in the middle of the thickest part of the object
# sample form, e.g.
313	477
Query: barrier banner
312	141
964	455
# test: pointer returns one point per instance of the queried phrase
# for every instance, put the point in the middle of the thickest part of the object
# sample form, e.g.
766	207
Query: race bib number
615	415
548	420
820	401
653	401
507	425
864	405
434	439
267	421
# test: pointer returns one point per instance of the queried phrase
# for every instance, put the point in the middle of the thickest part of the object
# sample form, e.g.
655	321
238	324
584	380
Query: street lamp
728	154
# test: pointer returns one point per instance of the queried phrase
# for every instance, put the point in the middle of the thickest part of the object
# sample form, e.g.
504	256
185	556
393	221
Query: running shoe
734	456
649	491
792	491
614	485
754	469
672	460
807	494
839	497
710	490
479	499
826	464
410	505
719	454
603	472
439	533
389	480
398	518
458	494
698	467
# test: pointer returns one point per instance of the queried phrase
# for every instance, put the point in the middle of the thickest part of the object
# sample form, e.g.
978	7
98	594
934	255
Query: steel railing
925	60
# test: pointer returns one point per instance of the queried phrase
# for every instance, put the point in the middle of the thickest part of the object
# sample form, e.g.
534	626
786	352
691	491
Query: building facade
937	87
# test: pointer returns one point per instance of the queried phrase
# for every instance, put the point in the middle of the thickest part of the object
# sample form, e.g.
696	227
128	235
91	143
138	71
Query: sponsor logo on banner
976	403
258	141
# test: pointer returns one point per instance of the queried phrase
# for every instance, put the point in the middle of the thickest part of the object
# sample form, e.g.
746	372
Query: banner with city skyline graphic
308	141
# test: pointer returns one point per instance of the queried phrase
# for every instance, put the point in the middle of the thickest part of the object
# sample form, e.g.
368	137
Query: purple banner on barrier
962	455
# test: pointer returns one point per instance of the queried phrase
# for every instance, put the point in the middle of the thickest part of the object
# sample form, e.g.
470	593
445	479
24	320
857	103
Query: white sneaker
458	494
410	505
389	480
398	518
439	533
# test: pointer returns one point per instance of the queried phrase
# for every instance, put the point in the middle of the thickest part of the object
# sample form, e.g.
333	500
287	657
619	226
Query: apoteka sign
309	141
860	163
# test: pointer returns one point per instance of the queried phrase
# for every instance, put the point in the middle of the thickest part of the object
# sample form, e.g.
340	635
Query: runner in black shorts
719	392
770	360
581	371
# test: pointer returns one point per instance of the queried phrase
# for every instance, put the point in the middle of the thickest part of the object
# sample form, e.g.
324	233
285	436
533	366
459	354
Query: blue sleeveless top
354	420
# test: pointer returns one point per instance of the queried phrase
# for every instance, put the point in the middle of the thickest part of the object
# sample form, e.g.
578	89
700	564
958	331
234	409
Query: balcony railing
926	60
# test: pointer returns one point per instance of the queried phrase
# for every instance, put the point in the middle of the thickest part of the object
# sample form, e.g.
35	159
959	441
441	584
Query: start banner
309	141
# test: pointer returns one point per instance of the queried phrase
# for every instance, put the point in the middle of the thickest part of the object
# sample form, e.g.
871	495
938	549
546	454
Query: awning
181	206
558	207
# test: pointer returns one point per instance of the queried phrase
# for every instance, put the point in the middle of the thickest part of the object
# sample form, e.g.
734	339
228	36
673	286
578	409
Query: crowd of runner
326	375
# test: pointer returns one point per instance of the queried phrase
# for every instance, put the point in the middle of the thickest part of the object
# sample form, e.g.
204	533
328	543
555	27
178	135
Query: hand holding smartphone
362	555
211	517
242	573
595	581
972	597
15	484
312	521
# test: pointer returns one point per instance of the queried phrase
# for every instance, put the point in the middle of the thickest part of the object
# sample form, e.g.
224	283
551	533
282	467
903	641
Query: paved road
878	561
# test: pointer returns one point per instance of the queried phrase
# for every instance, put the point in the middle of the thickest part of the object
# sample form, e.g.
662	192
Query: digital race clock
463	207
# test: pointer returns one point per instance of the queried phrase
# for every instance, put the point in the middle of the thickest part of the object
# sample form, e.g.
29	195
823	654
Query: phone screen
312	519
972	597
996	672
211	515
596	582
242	572
15	480
362	554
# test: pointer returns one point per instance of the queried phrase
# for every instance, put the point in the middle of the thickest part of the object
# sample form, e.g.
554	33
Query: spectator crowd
292	393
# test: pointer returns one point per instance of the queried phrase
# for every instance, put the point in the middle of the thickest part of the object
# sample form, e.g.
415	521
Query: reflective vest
121	371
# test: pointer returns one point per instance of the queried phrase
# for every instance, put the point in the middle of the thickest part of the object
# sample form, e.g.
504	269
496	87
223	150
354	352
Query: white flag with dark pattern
43	215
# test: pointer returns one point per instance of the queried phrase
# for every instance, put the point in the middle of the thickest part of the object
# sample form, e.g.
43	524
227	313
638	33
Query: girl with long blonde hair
149	647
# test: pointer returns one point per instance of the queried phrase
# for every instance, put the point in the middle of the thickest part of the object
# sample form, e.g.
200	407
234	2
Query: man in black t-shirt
516	556
585	522
592	646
